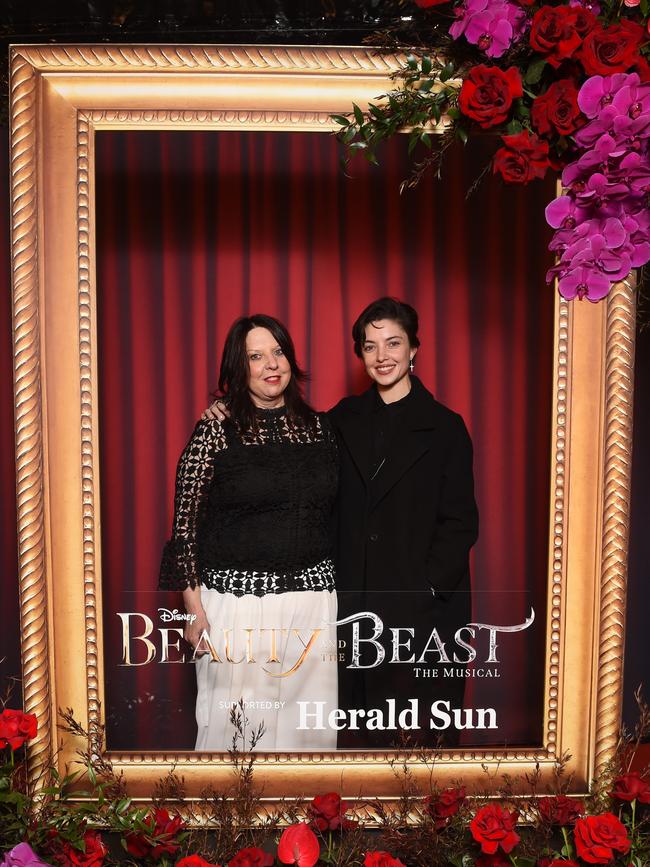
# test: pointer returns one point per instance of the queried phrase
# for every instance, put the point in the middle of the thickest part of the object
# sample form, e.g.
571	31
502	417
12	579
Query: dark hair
386	308
234	373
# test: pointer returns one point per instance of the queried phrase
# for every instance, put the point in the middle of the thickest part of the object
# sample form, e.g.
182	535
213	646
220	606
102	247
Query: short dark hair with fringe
386	308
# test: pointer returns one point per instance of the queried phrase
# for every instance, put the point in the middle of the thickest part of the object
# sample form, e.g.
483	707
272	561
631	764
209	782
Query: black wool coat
403	545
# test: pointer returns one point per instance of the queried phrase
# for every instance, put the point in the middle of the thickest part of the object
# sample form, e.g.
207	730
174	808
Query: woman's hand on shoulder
217	411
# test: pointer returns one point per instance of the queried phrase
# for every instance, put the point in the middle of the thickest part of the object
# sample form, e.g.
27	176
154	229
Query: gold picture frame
62	95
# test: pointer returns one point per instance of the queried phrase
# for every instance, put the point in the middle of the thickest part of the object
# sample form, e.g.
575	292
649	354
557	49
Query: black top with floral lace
252	511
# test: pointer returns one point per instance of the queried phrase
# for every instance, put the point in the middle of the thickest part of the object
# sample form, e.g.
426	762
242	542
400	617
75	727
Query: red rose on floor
631	787
93	856
299	845
381	859
494	827
553	33
560	810
194	861
328	813
611	49
556	111
16	727
163	829
599	838
443	806
487	93
252	857
524	157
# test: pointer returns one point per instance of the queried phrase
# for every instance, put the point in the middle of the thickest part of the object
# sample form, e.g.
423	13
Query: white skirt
272	660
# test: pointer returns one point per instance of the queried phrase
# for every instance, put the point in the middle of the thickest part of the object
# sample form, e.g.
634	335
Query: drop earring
411	366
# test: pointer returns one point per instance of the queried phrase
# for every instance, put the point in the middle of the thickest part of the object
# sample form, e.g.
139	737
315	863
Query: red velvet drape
196	229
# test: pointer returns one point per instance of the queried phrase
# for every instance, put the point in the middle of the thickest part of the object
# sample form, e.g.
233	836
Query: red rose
94	853
487	93
194	861
585	20
524	157
559	862
492	827
252	857
159	838
298	845
16	727
328	813
631	787
556	111
598	838
445	805
426	4
560	810
611	49
643	68
553	33
381	859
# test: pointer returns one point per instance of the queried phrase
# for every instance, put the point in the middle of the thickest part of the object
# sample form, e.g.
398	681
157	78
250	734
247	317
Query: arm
179	569
456	519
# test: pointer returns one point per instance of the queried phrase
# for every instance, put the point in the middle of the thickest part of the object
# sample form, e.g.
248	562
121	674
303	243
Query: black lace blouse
252	512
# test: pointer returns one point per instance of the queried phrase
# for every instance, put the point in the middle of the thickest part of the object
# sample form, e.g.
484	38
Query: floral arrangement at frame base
89	821
565	86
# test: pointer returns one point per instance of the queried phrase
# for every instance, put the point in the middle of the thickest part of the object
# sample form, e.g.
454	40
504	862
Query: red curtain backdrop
196	229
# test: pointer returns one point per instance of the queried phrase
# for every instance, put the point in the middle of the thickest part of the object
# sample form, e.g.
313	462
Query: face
269	371
386	352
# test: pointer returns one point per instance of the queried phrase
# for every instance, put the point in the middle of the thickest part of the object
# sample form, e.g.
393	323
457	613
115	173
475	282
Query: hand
218	411
194	629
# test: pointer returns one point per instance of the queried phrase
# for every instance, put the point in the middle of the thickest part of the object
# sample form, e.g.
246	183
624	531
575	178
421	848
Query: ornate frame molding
60	96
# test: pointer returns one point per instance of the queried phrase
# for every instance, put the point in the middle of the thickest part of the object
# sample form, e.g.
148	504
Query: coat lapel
411	439
406	449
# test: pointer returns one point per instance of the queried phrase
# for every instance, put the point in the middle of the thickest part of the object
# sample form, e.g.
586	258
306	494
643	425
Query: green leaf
425	138
344	121
358	145
358	114
426	85
462	134
447	71
534	71
412	62
426	65
514	127
413	140
435	111
645	7
349	134
453	113
521	109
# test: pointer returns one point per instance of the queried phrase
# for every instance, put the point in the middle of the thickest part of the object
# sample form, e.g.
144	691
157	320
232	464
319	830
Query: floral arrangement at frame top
63	824
565	86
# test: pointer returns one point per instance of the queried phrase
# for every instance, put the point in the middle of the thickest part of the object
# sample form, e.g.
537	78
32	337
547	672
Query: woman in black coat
407	520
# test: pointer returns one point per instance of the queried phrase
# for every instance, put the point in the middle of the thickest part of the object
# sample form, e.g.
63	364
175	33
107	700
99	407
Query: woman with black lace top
251	548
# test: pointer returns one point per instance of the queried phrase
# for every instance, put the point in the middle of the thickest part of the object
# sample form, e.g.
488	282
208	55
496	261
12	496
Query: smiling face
269	372
387	354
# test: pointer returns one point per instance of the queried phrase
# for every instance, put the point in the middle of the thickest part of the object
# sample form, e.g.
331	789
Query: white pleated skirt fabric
270	653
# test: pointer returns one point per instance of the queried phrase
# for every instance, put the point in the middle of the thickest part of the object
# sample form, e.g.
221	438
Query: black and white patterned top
253	511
